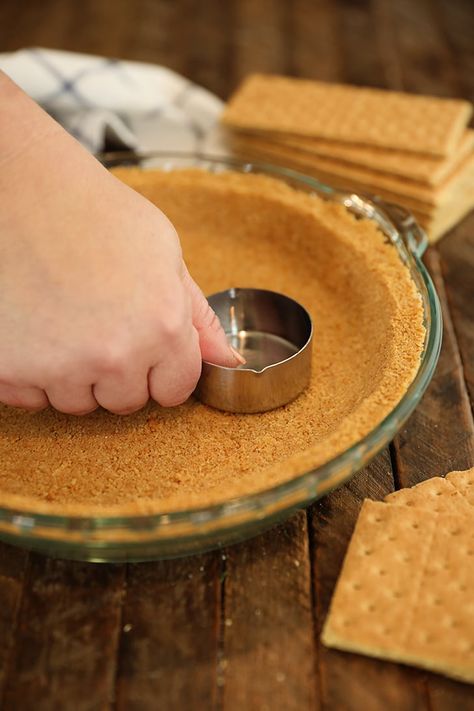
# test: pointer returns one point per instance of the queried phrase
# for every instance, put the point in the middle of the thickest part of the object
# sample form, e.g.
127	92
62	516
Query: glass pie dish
114	538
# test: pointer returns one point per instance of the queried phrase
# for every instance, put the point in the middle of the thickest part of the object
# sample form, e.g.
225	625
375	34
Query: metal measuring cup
274	334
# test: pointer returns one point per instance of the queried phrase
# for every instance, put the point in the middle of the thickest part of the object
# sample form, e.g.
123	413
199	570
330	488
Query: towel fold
110	103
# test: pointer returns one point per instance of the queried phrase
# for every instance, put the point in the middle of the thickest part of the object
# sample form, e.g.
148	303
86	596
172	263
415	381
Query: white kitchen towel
110	102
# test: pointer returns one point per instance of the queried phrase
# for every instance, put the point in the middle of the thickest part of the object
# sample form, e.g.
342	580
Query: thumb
213	342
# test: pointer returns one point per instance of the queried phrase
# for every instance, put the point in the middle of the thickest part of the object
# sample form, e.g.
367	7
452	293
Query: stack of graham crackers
405	592
413	150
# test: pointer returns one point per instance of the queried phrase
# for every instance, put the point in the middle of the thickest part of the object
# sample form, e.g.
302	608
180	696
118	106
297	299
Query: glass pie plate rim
117	538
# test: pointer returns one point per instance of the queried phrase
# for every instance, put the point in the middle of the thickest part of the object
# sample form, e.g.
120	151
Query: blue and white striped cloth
113	103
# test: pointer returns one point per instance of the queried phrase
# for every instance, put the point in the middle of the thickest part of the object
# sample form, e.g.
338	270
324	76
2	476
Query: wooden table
239	630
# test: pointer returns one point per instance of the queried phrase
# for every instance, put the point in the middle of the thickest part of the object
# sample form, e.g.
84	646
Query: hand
97	306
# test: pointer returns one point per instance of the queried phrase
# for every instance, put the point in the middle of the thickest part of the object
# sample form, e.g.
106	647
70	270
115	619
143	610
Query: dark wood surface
239	630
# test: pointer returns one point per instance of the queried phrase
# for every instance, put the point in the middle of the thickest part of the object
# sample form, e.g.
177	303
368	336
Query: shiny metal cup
274	334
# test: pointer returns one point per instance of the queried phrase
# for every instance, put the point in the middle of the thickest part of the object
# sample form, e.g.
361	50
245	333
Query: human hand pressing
97	306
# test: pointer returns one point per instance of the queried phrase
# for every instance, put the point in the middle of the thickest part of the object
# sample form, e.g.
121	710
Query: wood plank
267	594
350	681
315	41
407	60
260	40
65	648
428	65
13	563
170	635
456	20
67	28
268	654
456	253
360	58
439	437
142	31
205	40
387	46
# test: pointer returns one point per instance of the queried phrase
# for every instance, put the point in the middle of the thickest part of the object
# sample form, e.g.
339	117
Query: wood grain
428	62
356	25
349	681
64	655
13	563
456	22
315	42
429	445
205	42
268	659
260	41
170	635
457	266
428	440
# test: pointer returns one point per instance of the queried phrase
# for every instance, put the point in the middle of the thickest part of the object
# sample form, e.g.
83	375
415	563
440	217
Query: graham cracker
337	172
464	483
448	213
455	213
423	168
366	116
445	210
436	494
404	593
237	230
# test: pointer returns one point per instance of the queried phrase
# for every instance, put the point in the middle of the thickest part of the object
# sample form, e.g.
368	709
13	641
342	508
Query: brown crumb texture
405	590
237	230
464	483
436	494
362	115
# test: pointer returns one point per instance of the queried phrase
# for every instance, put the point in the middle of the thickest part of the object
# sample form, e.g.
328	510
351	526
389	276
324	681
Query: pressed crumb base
245	231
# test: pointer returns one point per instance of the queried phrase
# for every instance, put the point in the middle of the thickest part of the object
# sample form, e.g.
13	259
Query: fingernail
238	356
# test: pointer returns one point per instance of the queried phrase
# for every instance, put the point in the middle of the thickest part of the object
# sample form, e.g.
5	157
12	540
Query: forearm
23	125
38	158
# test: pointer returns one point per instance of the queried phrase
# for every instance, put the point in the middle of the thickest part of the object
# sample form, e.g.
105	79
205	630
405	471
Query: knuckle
168	395
55	371
173	330
206	318
113	358
212	320
174	317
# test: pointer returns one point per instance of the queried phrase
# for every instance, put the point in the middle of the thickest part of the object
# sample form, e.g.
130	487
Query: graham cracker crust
244	231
